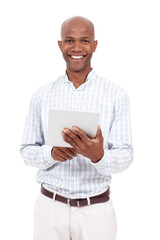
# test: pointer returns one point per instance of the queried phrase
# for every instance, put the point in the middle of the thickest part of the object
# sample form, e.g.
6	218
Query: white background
128	54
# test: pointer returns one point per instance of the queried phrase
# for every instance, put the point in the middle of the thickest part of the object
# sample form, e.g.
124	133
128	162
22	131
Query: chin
75	69
78	69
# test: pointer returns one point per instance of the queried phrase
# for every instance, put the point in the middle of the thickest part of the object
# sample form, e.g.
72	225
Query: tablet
60	119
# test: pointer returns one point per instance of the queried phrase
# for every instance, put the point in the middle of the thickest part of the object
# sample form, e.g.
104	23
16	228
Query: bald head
77	44
77	23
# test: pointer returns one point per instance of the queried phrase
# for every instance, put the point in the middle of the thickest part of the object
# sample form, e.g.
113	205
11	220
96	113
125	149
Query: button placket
73	169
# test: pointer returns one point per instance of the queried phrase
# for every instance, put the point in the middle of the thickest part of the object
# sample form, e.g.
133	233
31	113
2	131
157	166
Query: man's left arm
118	156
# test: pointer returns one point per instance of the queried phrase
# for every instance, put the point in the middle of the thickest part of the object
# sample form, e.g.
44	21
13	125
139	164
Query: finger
72	138
68	148
58	158
70	152
63	155
99	132
73	150
99	135
70	133
80	133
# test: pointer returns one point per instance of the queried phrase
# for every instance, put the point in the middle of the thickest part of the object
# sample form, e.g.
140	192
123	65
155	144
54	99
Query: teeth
76	57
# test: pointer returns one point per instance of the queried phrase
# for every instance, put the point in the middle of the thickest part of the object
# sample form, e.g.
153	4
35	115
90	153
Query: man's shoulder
111	86
48	87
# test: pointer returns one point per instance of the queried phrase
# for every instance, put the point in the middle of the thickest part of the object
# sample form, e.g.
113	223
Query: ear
95	43
60	44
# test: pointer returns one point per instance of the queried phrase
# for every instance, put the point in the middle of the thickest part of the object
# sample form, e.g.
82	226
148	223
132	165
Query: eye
69	41
85	41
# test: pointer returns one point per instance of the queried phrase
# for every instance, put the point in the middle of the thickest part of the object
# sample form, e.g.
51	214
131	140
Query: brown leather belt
104	197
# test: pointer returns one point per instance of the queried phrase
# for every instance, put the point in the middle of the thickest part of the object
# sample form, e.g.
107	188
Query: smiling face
77	44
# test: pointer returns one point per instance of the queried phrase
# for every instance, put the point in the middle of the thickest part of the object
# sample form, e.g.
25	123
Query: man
74	202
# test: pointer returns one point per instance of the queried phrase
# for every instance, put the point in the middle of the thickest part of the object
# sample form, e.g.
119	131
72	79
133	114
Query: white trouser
54	220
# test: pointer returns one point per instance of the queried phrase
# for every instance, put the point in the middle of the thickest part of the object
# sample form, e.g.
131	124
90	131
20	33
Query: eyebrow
73	37
68	37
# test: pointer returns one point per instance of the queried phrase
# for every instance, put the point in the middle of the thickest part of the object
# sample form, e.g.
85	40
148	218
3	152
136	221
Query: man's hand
90	148
63	154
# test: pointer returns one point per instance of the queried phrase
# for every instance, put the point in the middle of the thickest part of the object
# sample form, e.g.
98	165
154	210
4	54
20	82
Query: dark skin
77	46
77	40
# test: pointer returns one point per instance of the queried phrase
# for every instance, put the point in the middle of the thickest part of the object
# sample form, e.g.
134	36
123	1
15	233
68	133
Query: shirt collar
90	76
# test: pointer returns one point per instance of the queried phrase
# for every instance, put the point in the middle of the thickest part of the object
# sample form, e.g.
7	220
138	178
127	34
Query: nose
76	47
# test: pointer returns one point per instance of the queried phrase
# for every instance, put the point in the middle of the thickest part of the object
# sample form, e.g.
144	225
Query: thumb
99	132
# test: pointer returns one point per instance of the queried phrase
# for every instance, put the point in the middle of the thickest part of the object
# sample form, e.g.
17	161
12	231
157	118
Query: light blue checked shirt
79	177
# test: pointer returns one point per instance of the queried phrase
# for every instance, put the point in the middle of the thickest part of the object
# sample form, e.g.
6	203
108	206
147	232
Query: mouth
77	58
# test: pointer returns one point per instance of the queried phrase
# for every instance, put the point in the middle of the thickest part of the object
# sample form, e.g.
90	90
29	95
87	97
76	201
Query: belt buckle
68	202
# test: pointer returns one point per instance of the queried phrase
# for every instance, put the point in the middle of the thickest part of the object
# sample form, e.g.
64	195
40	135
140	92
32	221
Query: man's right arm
33	149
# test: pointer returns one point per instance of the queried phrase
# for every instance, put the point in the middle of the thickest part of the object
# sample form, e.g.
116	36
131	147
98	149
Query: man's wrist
97	159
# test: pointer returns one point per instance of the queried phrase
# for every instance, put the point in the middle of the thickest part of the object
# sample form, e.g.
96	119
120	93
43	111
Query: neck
78	78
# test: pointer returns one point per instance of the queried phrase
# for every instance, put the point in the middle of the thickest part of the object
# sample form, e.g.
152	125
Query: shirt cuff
102	163
47	155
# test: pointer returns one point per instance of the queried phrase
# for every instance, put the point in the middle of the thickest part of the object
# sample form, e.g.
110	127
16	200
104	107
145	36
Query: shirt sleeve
118	155
33	149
